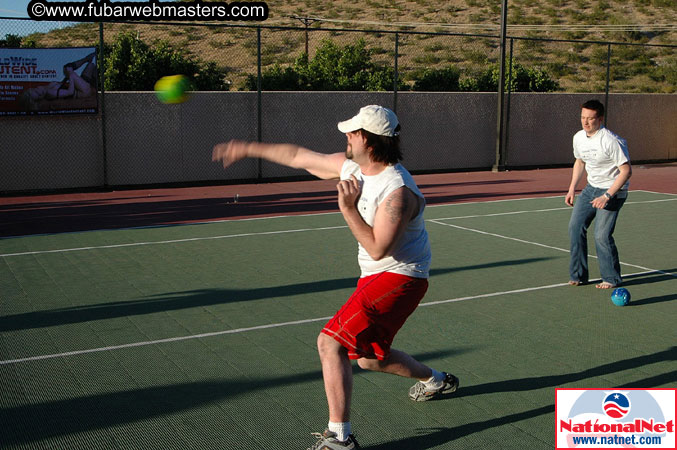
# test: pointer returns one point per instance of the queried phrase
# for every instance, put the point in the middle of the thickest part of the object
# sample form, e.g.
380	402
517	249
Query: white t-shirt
411	255
603	153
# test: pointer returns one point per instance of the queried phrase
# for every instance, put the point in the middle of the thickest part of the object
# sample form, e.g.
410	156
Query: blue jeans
605	223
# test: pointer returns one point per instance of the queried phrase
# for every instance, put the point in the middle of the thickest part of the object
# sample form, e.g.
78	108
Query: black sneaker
328	441
421	393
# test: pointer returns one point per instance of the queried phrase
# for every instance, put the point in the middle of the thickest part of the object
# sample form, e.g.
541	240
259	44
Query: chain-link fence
246	50
243	53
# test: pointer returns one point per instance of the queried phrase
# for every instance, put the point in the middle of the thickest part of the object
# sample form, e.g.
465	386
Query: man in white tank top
383	208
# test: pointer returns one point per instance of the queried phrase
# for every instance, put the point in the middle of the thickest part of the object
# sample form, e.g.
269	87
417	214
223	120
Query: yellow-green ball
172	89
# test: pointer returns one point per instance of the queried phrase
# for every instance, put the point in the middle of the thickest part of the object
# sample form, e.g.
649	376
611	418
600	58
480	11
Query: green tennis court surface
203	336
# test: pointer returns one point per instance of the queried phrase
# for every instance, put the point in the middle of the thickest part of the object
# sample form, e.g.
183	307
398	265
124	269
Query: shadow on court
25	215
65	217
107	411
434	437
151	209
192	299
111	410
647	278
529	384
651	300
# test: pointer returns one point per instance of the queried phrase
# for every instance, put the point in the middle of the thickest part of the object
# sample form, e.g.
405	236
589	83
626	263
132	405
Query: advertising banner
48	81
615	418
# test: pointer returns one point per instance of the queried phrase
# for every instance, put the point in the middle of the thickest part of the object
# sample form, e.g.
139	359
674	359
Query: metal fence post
102	73
499	164
606	92
506	131
259	94
396	74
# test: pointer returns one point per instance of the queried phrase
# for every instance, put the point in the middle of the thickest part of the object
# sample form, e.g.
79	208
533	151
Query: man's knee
603	239
576	229
369	364
327	345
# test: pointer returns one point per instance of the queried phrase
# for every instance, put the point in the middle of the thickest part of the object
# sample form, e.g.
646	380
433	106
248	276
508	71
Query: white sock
342	429
436	380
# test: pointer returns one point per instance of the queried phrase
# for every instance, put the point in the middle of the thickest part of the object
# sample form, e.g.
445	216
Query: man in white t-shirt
604	156
383	208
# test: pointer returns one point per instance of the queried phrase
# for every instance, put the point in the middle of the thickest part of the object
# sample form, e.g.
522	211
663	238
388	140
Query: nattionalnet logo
616	405
615	418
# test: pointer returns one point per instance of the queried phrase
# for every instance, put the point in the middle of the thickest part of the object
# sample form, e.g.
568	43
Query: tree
16	41
522	79
440	80
132	65
333	68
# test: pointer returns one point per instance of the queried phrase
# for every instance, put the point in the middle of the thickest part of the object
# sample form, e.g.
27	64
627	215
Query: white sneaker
420	392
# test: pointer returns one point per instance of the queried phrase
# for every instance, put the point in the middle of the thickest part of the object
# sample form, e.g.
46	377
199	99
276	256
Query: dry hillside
578	66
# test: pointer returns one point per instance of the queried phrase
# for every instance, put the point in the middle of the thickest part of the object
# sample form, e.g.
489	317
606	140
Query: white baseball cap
373	118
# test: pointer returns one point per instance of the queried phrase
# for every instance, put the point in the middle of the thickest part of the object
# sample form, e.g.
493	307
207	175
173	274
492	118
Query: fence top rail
359	30
584	41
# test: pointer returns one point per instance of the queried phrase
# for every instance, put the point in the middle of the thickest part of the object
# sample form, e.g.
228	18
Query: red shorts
367	323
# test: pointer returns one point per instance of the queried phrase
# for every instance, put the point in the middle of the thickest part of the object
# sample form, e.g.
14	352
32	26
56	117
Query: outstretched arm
325	166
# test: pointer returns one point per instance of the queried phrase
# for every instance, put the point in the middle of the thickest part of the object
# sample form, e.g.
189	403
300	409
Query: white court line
653	192
263	327
652	201
160	341
544	197
245	219
173	241
263	233
241	330
436	221
509	213
285	216
249	219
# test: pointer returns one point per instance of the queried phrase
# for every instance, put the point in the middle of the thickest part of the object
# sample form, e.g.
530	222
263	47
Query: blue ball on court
620	297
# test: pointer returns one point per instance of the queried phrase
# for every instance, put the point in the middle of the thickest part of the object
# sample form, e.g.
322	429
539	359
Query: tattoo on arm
396	207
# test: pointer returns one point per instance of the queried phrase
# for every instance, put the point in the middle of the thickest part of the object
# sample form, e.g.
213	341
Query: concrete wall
151	143
50	152
541	126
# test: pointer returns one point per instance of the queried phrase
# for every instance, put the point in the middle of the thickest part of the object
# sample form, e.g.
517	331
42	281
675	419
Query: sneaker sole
449	390
452	388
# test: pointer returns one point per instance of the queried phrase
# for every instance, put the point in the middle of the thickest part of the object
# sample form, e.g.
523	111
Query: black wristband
608	196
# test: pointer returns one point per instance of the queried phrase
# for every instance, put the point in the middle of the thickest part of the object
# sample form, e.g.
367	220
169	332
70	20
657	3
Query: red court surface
58	213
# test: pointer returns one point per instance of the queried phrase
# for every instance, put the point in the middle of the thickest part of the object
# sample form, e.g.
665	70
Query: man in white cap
383	208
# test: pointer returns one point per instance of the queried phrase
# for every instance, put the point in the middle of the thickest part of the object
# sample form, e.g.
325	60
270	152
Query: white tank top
411	255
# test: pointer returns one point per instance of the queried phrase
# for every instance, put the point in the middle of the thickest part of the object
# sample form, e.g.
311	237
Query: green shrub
132	65
333	68
15	41
440	80
522	79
